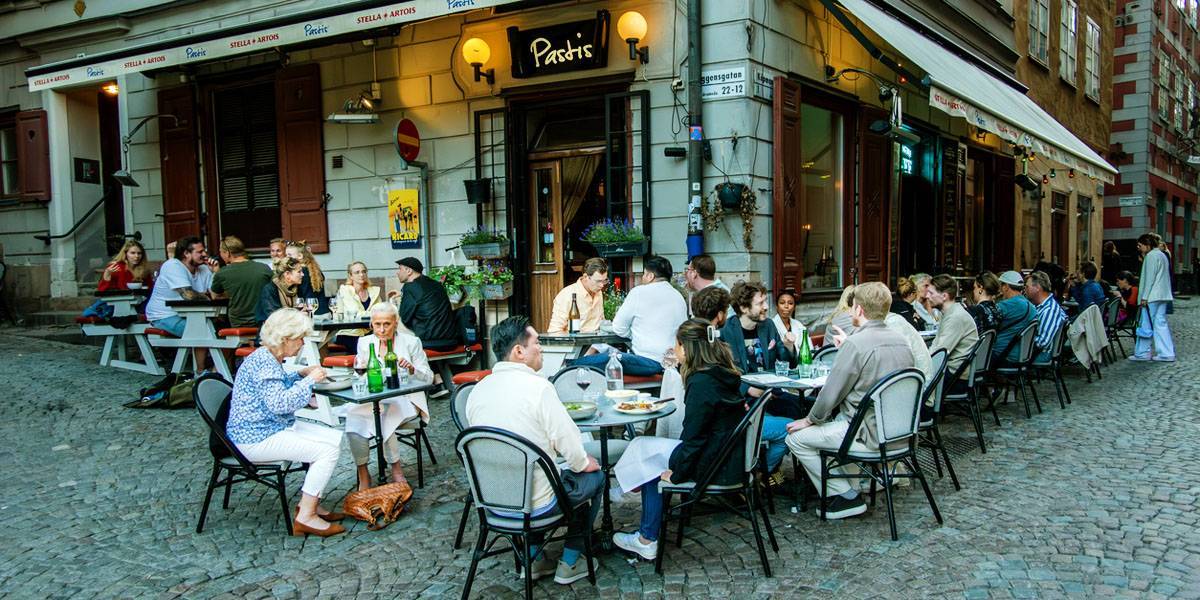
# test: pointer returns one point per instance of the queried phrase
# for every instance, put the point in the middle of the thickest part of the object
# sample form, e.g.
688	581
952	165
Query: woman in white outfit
786	322
360	420
262	420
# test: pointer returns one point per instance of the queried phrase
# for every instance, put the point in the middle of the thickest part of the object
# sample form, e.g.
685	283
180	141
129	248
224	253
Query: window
1031	242
1164	83
8	160
1083	232
1068	45
247	165
1092	61
1039	30
1177	113
821	197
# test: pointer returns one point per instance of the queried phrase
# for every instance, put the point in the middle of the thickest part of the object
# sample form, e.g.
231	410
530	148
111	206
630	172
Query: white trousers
305	443
360	449
807	444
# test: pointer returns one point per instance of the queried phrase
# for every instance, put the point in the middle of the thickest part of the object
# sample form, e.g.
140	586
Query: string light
1071	174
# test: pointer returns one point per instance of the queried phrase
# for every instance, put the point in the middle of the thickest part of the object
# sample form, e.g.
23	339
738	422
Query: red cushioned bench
470	377
160	332
343	360
244	351
640	382
440	360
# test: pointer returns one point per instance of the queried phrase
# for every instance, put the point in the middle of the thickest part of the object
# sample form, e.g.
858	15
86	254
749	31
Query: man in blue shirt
1084	288
1015	313
1051	317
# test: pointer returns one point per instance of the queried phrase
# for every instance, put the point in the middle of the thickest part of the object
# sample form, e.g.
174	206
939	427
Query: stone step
52	317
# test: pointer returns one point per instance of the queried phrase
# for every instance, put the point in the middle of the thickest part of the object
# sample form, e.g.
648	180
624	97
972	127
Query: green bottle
391	368
374	373
805	351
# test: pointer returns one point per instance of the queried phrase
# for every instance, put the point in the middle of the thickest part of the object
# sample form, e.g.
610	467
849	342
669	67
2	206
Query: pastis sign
560	48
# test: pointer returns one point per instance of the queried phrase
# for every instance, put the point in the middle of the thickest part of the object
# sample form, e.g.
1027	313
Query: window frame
1091	65
1068	42
8	120
1039	31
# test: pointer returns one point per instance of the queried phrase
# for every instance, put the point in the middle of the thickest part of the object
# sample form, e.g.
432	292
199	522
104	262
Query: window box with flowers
616	238
493	281
483	243
453	278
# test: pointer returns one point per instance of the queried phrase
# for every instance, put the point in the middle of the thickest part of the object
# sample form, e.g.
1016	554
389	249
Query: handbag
172	391
378	506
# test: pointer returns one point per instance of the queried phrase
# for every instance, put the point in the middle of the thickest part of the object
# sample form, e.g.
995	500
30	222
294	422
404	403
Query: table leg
379	442
606	522
222	367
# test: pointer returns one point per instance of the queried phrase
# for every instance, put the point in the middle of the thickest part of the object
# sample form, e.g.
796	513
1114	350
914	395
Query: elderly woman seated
360	420
262	421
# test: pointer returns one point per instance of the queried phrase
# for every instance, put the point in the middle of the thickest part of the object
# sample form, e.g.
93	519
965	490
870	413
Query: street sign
408	140
723	83
1131	201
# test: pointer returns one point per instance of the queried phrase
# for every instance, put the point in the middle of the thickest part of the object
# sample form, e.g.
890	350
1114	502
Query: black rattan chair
458	414
1017	376
930	436
975	367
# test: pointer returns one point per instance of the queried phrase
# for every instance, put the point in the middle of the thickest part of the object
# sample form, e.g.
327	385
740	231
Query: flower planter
497	291
730	194
455	296
621	249
479	191
488	250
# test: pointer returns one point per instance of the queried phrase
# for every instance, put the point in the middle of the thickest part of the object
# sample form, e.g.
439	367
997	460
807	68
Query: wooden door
179	160
545	239
874	210
788	230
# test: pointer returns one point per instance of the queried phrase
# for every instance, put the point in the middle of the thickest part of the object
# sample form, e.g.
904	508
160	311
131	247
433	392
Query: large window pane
821	193
1031	224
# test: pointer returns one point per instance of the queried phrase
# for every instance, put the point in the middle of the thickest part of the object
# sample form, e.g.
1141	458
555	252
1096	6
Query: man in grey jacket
865	357
1154	294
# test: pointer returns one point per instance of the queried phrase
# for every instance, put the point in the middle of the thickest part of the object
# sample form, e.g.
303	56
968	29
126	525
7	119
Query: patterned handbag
378	506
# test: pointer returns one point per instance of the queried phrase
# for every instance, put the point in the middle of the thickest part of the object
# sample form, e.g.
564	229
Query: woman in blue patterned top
262	420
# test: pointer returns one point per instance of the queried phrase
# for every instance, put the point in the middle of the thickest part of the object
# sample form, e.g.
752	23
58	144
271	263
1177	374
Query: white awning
963	89
273	33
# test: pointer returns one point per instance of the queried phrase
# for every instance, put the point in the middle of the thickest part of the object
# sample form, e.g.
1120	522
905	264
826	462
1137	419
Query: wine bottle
573	316
374	373
391	368
805	351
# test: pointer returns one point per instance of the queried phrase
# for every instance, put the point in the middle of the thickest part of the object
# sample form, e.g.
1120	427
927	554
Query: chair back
1027	348
1060	337
501	467
458	405
753	439
565	382
937	379
212	394
748	433
826	355
1132	313
1112	310
981	360
896	400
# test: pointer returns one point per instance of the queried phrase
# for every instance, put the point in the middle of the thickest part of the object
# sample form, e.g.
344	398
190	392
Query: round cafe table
607	416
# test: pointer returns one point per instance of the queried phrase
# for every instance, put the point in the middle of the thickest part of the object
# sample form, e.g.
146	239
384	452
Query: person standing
588	295
242	281
425	307
1153	333
1110	263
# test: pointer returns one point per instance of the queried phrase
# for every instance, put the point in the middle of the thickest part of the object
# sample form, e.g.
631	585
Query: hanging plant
712	209
748	208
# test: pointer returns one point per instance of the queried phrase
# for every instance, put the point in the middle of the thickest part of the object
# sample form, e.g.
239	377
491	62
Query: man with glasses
588	294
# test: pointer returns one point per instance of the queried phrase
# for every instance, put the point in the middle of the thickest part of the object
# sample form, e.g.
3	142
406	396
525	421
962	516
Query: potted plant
613	299
713	213
493	281
483	243
730	194
479	191
453	278
616	238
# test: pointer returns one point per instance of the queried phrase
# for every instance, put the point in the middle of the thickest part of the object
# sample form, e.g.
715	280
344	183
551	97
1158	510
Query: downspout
695	153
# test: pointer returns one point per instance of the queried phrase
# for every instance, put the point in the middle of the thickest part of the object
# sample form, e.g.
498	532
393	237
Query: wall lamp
632	28
123	176
476	52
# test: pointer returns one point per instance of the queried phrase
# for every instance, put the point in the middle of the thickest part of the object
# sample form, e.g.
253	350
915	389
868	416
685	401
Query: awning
963	89
255	37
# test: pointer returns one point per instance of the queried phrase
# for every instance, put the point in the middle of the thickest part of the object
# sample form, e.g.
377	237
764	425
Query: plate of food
621	395
580	409
638	407
334	383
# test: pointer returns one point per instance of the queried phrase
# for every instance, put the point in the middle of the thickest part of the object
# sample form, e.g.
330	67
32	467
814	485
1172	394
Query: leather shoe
300	529
331	517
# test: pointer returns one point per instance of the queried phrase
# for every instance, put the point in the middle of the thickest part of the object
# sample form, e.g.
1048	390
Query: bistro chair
1111	311
458	414
896	403
211	394
1128	328
1016	376
746	437
501	466
1053	365
929	434
826	355
413	433
976	366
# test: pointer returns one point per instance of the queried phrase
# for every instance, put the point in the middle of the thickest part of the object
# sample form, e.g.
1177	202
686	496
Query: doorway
110	162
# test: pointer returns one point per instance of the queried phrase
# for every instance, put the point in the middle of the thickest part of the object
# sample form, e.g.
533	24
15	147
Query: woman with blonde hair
128	266
313	285
262	417
921	306
356	297
840	322
281	292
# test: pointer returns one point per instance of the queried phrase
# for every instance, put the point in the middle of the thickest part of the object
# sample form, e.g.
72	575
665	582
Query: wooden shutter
786	193
873	206
180	163
301	155
1002	226
33	155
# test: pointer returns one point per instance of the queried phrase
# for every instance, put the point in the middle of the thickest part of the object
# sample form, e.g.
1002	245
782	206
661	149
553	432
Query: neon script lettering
545	54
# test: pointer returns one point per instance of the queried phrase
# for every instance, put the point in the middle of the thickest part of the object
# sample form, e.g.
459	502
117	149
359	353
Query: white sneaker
632	542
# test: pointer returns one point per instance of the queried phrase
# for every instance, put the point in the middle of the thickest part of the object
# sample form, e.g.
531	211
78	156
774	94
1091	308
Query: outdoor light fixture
1071	174
111	89
123	176
357	111
632	28
1045	180
476	52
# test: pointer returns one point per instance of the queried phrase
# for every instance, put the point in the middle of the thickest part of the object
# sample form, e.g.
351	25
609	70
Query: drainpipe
695	154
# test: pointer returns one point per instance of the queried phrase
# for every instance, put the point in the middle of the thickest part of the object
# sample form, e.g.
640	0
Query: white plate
334	384
639	411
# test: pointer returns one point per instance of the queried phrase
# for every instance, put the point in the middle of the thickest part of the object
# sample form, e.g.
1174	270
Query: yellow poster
404	215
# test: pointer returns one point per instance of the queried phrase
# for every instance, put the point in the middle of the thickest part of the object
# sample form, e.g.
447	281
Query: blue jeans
775	435
175	324
1152	327
652	510
630	362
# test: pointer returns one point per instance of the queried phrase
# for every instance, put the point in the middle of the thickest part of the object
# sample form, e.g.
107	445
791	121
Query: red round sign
408	141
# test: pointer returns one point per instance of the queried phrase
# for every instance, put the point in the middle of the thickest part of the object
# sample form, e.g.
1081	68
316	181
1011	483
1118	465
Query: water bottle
614	373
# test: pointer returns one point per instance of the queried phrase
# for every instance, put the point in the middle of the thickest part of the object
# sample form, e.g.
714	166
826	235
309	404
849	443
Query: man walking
1154	294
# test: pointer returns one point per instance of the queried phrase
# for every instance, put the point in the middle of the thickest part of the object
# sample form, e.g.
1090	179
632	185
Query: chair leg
976	419
287	514
462	521
941	445
770	531
662	533
428	448
528	559
1056	378
420	462
1024	397
475	556
1036	400
992	405
887	496
212	484
799	476
1063	383
762	550
685	520
824	488
228	489
937	461
928	493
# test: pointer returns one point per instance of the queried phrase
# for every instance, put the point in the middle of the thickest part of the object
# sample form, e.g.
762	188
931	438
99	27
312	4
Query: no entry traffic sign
408	140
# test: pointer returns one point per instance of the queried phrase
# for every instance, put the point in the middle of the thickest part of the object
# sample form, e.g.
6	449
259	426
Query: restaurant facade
850	158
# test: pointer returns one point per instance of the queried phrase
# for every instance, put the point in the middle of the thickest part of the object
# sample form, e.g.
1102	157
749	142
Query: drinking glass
584	381
782	367
333	308
669	360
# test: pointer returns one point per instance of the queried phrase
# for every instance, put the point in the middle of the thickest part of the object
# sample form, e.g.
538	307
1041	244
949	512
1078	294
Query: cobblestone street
1095	501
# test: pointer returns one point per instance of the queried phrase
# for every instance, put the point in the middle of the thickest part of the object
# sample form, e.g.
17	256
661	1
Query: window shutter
873	207
786	188
33	155
179	162
301	155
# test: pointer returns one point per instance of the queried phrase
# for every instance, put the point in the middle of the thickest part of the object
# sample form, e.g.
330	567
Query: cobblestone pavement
1098	500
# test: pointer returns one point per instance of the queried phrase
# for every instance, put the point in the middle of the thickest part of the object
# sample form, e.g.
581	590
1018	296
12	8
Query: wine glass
360	366
333	307
669	360
311	305
583	380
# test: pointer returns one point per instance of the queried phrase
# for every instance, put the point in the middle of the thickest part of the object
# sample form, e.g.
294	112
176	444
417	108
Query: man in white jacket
1154	294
